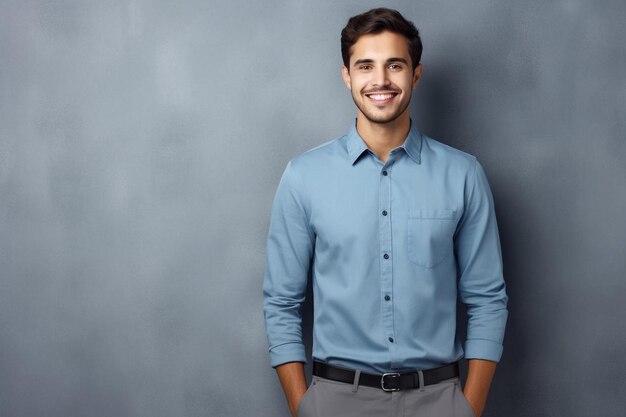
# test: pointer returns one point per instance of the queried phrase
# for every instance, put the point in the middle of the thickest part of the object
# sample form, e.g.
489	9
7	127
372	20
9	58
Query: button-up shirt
389	246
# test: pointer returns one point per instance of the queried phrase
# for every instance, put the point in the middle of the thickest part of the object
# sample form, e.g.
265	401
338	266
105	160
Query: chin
382	118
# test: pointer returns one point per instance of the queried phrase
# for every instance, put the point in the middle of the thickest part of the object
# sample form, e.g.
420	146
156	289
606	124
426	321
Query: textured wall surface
141	143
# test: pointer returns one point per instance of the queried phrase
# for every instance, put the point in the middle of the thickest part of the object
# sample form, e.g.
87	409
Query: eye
365	67
395	66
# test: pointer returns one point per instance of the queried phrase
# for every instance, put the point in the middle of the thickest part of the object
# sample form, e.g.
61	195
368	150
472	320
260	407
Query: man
394	225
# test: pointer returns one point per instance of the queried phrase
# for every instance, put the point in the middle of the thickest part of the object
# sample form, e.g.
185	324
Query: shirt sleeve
289	250
481	283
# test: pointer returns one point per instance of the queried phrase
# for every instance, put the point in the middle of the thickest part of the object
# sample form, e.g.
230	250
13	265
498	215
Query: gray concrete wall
141	144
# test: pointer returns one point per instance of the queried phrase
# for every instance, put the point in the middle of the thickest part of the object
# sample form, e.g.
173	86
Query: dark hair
376	21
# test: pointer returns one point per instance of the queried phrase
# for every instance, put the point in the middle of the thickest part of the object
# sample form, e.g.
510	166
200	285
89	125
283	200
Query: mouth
381	97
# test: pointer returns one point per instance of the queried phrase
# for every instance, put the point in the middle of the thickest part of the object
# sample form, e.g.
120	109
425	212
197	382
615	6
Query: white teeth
381	96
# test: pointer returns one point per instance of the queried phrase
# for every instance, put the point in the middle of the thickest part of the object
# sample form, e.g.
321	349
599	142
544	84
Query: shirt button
391	339
386	256
387	298
384	212
385	173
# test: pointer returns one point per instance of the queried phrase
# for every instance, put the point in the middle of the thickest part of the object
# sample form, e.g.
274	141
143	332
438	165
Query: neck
383	137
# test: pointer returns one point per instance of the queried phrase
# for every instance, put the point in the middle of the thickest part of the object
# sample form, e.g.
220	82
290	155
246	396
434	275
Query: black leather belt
389	381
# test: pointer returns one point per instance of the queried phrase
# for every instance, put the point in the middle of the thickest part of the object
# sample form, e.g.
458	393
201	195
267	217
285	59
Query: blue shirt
391	245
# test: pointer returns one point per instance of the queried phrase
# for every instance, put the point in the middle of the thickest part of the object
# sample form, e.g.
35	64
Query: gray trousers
328	398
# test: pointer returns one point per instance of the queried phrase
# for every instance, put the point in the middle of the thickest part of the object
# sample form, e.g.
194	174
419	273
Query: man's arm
290	246
481	288
479	376
292	379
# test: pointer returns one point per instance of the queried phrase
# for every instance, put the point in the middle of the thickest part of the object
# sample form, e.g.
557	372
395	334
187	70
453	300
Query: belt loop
355	383
420	375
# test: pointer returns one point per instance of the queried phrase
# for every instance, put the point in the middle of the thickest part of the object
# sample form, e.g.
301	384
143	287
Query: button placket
386	261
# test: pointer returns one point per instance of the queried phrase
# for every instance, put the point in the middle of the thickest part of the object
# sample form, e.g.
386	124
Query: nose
381	77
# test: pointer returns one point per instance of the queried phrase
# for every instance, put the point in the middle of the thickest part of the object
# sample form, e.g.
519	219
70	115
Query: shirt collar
412	144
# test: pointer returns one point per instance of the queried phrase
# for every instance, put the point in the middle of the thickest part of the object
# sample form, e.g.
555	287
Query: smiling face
381	78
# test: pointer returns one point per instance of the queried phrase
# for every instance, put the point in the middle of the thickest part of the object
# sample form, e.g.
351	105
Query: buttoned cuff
287	352
483	349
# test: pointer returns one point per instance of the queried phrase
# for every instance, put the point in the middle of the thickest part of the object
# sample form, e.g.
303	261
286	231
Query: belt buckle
382	381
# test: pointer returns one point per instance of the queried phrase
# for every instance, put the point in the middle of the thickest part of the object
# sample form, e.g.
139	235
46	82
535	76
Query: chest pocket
430	236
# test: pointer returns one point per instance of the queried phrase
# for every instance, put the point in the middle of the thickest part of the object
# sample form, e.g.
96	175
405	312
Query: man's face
381	78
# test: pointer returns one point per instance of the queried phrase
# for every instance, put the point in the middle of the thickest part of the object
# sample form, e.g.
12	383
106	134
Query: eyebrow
371	61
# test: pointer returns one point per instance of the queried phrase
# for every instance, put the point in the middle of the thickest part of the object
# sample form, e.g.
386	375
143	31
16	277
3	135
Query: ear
417	74
346	77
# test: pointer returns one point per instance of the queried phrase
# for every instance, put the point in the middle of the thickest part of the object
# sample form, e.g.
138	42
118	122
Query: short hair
376	21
